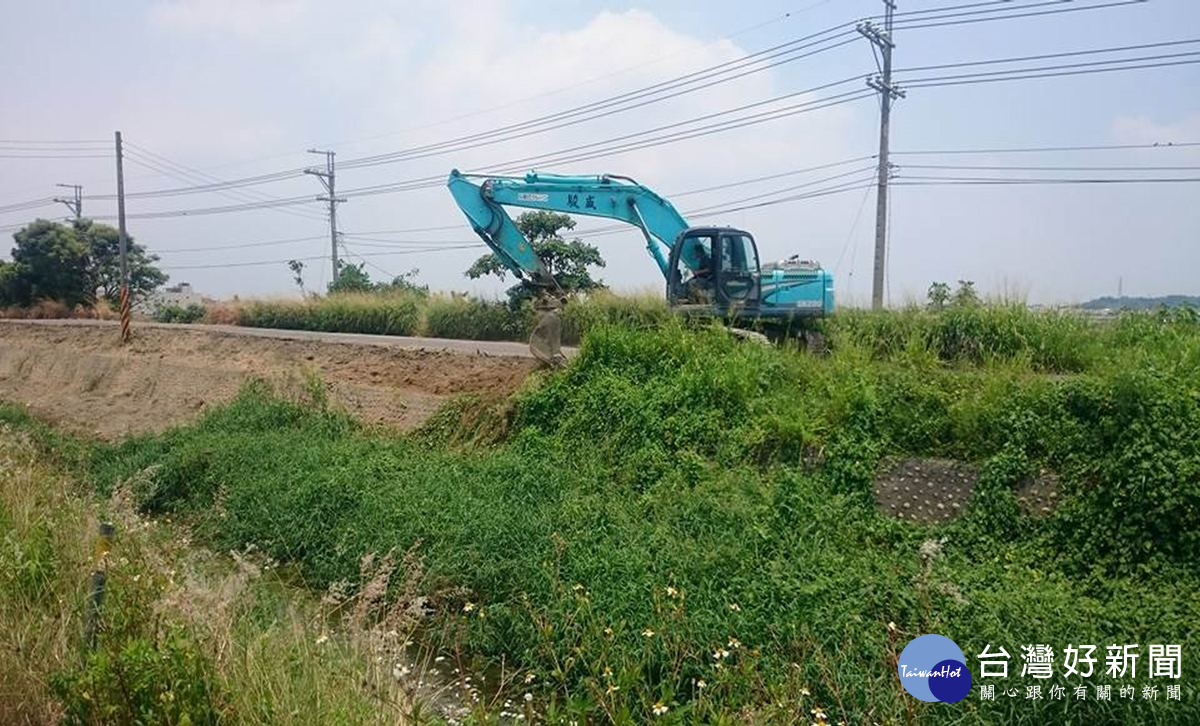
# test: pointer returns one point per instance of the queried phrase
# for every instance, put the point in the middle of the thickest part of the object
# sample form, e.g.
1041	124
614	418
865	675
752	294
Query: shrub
193	313
167	680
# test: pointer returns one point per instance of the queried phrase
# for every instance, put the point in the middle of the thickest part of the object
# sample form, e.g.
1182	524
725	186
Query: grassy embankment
436	316
187	635
682	525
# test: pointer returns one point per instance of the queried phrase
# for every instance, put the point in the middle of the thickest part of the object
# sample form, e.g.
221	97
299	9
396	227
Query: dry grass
224	312
52	309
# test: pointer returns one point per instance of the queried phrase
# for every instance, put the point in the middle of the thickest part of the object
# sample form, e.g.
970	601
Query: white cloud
1144	130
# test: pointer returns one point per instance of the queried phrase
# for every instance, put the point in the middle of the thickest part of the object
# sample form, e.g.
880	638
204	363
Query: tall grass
187	635
1049	341
474	319
374	313
682	521
438	316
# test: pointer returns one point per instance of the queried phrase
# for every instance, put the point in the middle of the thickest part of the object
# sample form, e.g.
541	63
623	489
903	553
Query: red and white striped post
124	242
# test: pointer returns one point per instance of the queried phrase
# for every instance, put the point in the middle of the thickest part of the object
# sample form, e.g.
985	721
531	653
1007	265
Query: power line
930	180
984	167
1061	66
259	263
411	230
853	226
30	204
188	174
838	189
432	181
921	24
102	143
569	155
585	81
769	177
691	78
457	143
402	242
238	246
55	156
578	115
553	157
1050	149
146	163
794	187
1021	74
67	150
1019	59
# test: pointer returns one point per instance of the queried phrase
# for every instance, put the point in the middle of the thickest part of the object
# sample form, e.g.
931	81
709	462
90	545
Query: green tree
351	278
939	295
74	264
104	243
49	262
567	261
9	284
965	295
407	281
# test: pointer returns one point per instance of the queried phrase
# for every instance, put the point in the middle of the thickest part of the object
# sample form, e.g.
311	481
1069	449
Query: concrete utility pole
124	241
882	39
75	204
327	179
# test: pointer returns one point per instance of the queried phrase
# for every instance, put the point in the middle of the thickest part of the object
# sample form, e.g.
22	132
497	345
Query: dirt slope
78	376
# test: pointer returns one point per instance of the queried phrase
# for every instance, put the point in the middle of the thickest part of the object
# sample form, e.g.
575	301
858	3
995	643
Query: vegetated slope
187	635
683	521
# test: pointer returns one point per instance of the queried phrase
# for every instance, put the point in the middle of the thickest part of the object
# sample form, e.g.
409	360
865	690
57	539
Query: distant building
181	295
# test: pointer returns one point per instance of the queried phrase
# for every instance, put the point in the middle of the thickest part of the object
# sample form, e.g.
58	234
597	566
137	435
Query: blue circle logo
933	668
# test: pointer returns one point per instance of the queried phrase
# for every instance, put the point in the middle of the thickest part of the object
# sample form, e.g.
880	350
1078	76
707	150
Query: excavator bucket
545	342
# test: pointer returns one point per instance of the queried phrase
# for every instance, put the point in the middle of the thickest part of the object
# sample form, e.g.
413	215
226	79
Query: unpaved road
75	373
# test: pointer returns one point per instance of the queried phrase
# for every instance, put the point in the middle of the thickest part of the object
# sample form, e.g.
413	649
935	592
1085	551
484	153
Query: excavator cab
714	269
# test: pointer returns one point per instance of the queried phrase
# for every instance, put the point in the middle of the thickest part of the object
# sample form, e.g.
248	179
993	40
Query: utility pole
882	83
75	204
327	179
124	241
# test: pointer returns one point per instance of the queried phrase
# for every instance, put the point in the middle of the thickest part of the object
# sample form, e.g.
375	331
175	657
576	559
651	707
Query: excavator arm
482	200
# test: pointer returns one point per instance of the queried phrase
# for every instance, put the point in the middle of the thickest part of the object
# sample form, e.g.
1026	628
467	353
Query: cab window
738	255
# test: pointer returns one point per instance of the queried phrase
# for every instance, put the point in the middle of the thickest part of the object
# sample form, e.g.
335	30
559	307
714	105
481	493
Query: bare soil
82	379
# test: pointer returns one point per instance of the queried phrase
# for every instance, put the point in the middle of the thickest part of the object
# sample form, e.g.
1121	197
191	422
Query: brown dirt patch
81	378
925	490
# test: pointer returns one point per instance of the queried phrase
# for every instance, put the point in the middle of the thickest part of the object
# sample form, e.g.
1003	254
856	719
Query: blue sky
238	88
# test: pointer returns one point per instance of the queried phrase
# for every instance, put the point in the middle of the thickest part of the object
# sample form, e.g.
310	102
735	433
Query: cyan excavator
708	270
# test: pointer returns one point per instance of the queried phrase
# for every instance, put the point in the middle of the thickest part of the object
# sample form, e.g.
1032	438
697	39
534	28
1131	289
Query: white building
181	295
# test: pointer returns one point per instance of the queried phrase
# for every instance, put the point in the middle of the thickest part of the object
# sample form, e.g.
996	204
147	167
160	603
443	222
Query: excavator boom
607	196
